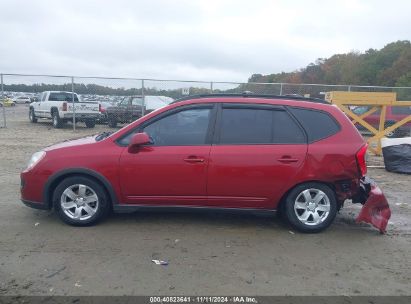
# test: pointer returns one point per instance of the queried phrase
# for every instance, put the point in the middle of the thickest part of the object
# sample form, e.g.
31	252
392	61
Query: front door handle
287	159
194	159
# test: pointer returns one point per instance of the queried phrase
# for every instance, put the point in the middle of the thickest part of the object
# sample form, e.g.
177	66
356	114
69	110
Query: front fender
57	177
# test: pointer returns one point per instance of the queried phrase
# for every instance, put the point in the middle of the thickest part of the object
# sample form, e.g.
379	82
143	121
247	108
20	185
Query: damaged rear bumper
375	210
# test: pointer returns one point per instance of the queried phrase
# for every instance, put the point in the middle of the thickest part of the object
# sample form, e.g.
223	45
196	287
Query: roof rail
250	94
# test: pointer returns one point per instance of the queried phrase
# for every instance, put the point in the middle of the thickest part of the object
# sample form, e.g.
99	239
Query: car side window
184	128
258	126
317	124
246	126
62	96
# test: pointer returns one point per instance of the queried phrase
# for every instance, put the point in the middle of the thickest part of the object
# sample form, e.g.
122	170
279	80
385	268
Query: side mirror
137	140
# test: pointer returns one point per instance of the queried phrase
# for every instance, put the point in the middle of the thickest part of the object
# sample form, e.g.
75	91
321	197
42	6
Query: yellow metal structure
376	100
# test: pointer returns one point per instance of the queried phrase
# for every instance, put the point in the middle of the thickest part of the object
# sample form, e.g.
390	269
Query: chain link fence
106	104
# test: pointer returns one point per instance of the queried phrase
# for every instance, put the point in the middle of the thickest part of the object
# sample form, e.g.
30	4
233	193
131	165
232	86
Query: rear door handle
287	159
194	159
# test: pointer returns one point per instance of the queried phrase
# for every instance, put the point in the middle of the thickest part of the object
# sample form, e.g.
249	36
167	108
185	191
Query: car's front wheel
310	207
32	116
80	201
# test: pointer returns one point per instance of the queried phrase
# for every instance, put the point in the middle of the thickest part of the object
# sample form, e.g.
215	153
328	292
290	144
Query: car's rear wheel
57	121
80	201
310	207
32	116
90	123
112	122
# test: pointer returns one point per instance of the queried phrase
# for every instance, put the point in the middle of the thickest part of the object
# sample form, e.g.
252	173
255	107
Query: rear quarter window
317	124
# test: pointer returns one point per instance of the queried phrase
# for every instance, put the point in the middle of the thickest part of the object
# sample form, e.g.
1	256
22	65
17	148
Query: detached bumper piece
375	210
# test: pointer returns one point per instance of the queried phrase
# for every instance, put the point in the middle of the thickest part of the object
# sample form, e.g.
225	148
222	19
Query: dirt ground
208	254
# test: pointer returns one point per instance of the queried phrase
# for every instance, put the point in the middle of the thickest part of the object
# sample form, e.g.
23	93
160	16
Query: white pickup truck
58	106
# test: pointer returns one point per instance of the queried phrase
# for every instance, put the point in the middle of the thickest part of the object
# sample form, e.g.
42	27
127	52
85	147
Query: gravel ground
208	254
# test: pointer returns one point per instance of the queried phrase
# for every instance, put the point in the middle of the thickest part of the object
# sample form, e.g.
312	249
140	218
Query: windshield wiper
103	135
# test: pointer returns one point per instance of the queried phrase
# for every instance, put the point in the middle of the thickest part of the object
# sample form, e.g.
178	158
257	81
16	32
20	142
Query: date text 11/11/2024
203	299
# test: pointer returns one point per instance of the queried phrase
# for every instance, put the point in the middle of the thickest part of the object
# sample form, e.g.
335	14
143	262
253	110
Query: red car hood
72	142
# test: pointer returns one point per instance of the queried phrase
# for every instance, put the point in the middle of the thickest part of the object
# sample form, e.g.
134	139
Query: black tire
101	208
57	121
112	122
393	134
32	116
90	123
296	198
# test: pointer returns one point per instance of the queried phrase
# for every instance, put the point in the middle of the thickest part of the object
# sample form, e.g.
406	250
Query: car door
38	106
48	101
258	150
173	169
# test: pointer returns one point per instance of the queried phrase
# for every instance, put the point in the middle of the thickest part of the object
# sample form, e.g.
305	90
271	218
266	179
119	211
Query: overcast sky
197	40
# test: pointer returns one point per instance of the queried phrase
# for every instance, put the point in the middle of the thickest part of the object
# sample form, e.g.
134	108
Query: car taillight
360	156
64	106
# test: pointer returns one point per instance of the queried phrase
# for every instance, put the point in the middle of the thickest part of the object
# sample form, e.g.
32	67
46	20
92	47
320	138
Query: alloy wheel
79	202
312	207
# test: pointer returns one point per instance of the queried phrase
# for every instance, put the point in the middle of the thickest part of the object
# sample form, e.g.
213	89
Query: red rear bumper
376	210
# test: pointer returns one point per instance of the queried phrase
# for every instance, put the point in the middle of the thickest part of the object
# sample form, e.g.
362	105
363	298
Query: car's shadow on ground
210	218
180	219
194	219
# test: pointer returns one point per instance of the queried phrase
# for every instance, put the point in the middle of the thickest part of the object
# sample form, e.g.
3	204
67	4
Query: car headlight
35	158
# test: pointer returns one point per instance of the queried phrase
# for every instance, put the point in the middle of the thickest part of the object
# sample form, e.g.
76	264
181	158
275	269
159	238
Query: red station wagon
243	152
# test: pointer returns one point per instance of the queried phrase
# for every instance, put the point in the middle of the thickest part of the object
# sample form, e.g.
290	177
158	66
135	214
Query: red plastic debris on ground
376	210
